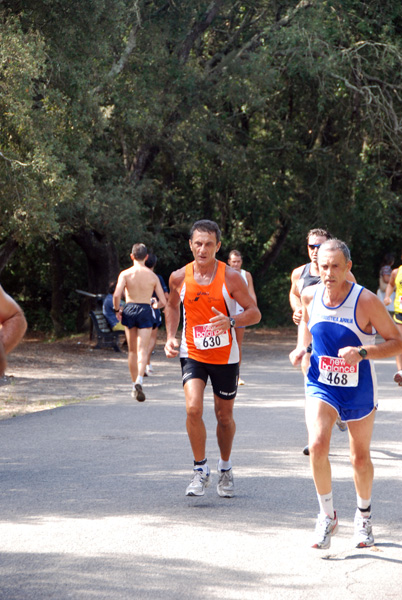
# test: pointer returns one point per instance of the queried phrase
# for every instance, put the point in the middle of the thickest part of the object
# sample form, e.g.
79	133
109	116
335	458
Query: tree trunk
274	247
102	259
57	279
6	252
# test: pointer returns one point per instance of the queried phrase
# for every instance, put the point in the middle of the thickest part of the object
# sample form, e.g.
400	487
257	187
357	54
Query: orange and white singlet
199	339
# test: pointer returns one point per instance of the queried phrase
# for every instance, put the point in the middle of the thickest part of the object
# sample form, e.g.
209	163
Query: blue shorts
224	378
344	412
137	315
157	318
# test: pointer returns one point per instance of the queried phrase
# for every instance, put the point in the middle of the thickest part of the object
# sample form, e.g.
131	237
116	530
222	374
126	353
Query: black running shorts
398	318
224	378
137	315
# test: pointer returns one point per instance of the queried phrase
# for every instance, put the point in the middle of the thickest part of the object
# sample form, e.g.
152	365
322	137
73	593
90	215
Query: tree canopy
126	120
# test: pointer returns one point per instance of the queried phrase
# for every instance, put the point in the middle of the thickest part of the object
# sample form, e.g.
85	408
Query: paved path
93	505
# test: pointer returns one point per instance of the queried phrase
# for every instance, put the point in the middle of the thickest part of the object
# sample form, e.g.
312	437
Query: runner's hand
296	356
297	315
350	355
170	348
221	321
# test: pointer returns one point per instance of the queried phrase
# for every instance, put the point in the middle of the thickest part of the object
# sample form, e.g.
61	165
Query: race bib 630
206	337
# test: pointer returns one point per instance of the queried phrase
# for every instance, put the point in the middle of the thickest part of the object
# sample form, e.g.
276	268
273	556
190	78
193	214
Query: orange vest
199	340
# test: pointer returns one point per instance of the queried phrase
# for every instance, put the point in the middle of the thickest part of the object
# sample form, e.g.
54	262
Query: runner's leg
131	336
320	419
226	426
194	395
152	344
143	340
360	433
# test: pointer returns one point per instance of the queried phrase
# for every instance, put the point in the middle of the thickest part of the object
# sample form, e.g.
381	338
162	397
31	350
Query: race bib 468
206	337
335	371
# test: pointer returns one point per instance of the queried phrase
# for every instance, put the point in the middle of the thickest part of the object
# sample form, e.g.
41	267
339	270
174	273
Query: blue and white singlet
352	391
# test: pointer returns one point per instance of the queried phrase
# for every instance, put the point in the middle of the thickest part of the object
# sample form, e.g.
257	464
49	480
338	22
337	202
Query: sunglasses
313	246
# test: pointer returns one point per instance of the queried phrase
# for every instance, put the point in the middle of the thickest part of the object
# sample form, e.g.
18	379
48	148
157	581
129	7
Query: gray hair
335	244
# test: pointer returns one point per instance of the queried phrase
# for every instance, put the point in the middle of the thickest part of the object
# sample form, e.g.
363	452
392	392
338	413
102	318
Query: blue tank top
333	328
306	278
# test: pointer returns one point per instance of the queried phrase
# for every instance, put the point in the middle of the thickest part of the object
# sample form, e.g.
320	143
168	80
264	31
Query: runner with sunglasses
303	277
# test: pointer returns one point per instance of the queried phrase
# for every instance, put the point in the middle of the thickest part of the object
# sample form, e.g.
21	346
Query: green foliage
128	120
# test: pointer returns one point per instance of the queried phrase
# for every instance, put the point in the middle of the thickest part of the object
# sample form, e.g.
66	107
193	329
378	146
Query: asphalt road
93	505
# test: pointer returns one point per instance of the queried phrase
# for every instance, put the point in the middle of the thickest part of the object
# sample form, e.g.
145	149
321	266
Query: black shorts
157	317
137	315
224	378
398	318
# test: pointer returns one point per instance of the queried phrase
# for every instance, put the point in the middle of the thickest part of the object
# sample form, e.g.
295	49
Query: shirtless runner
138	284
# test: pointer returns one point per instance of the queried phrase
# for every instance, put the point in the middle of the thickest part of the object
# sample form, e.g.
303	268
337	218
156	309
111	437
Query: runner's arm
172	313
304	336
390	287
161	295
251	289
13	327
294	295
238	289
121	284
371	312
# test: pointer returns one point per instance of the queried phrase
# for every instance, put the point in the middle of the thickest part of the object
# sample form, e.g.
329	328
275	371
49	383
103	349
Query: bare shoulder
125	273
177	277
296	273
367	299
233	278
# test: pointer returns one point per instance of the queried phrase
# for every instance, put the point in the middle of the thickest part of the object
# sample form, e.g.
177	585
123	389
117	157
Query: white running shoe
241	381
199	482
398	377
363	537
325	528
225	487
342	426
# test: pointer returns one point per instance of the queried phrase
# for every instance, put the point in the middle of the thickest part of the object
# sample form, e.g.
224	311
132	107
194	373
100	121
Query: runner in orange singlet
208	290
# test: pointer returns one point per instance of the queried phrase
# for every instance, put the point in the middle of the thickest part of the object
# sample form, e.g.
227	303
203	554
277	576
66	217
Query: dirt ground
44	374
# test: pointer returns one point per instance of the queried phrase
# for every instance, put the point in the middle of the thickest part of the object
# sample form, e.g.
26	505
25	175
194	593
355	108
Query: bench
105	337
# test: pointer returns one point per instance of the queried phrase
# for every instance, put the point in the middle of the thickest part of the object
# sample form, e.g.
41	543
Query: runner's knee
361	461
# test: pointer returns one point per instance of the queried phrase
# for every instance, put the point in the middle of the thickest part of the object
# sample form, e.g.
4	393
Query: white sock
139	380
203	464
326	504
224	465
364	506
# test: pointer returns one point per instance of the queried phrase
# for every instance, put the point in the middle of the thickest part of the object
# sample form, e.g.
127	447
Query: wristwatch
116	309
232	322
362	352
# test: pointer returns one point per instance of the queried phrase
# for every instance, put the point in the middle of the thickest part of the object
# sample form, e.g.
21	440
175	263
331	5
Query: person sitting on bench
108	309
